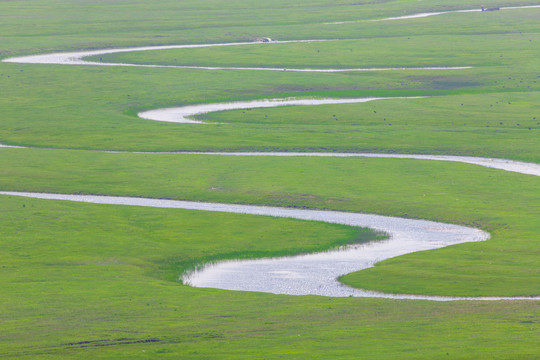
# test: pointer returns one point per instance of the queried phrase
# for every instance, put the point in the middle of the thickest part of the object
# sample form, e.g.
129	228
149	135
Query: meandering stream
314	274
428	14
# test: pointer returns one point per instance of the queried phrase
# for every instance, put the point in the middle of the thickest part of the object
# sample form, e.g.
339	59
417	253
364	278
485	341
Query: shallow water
501	164
423	15
182	114
307	274
314	274
12	146
77	58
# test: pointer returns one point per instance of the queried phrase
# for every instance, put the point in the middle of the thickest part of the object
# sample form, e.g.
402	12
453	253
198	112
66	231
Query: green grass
398	51
101	282
68	291
113	96
503	203
60	24
499	116
161	243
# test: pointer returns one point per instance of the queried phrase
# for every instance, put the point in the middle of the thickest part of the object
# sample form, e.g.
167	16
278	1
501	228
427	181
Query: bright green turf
100	286
76	279
503	203
66	291
160	242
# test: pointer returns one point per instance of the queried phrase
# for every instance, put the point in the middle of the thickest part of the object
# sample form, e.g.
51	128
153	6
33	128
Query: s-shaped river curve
306	274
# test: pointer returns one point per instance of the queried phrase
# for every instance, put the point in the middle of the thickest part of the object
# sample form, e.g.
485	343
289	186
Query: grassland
91	281
423	50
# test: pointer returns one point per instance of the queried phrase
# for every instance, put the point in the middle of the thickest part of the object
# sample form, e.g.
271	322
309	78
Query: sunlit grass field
102	282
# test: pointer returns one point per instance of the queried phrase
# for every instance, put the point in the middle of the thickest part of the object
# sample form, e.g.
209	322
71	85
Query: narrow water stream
314	274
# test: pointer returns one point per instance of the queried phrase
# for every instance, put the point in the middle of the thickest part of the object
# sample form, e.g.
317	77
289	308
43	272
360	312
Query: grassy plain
422	50
112	97
503	203
90	281
89	284
473	112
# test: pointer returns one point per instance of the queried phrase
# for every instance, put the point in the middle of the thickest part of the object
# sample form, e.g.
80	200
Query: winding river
314	274
428	14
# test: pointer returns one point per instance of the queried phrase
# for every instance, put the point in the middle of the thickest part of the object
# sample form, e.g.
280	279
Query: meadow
97	281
